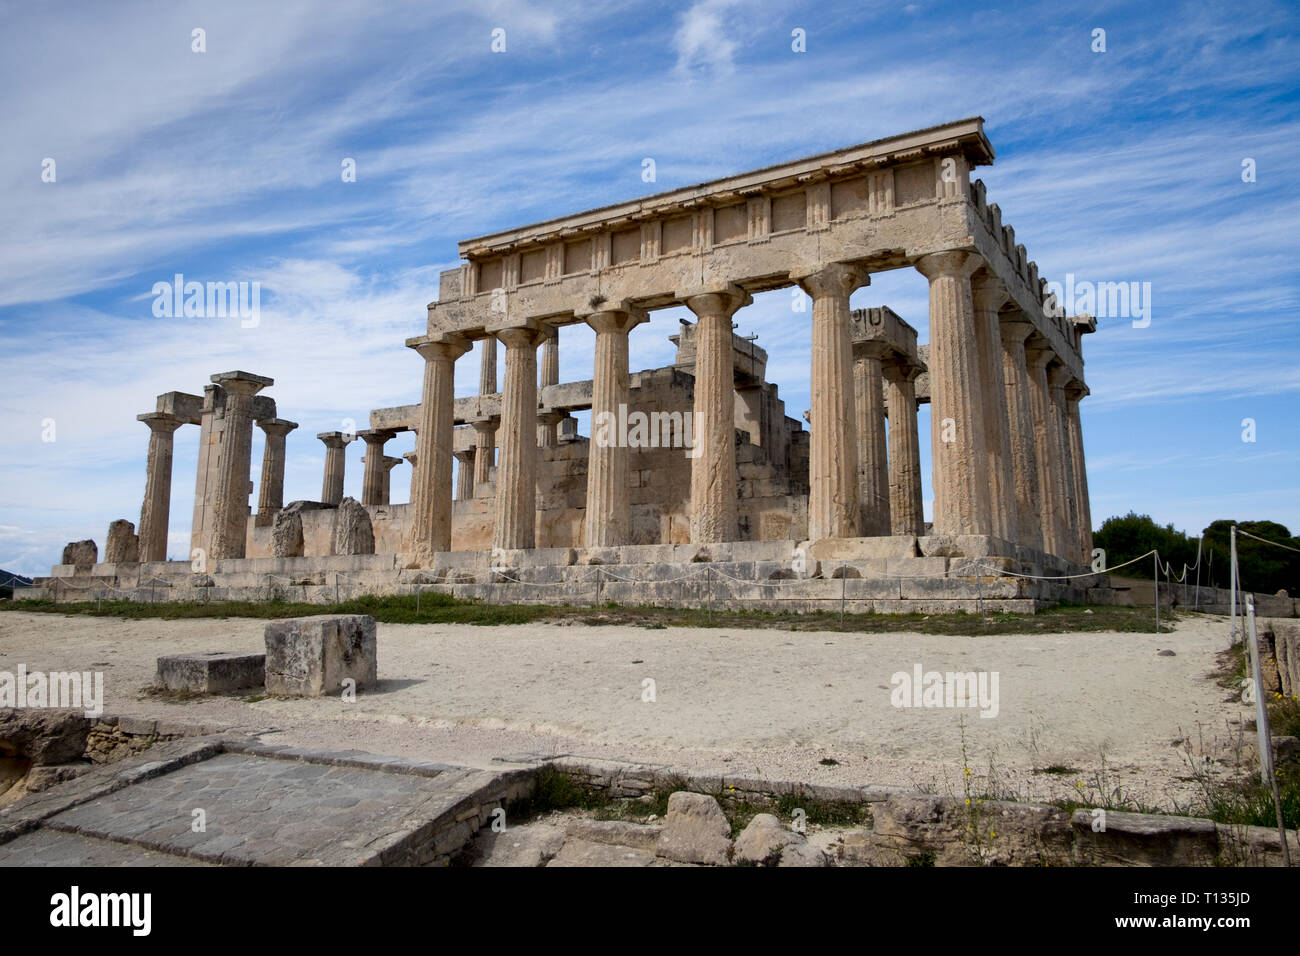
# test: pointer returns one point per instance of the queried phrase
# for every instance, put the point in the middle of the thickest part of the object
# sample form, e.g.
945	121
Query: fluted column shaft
988	295
550	375
431	494
1082	507
155	512
873	458
1057	378
336	443
465	475
1020	417
372	480
230	502
833	509
484	450
961	492
906	506
270	495
714	509
1046	449
609	509
516	498
390	462
487	375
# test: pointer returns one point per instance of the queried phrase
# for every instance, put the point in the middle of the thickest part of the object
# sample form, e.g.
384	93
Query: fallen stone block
215	672
313	656
695	831
1144	839
765	841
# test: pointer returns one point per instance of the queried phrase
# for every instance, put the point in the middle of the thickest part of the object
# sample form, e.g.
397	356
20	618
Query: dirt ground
1104	710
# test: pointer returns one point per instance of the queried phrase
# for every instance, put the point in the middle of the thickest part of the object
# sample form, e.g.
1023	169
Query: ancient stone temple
697	462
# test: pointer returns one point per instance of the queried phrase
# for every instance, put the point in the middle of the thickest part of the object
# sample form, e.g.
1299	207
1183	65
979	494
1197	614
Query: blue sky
225	166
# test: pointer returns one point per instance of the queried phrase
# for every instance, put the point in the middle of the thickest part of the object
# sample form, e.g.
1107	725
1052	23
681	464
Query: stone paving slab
265	811
56	848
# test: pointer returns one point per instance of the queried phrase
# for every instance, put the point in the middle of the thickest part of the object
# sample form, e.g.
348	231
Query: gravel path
750	703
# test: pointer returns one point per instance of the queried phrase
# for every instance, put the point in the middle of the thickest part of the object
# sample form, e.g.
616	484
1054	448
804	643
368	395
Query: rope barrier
1276	544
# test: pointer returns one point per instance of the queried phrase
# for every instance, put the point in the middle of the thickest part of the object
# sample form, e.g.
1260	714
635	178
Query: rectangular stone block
313	656
215	672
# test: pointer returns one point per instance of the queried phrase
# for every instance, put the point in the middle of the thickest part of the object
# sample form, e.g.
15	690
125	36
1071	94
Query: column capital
1038	357
549	417
486	426
1015	331
160	422
335	439
1076	391
987	292
465	454
278	427
376	436
447	346
1059	376
872	348
722	301
836	278
900	372
616	320
409	456
955	263
521	337
245	383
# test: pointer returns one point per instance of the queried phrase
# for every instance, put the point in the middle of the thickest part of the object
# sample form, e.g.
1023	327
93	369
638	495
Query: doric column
548	424
431	489
961	492
516	498
1058	376
485	449
390	462
988	296
230	503
873	460
372	481
714	509
609	509
1046	447
411	457
833	509
906	506
155	513
1083	508
487	375
270	495
465	474
1021	428
336	443
549	375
